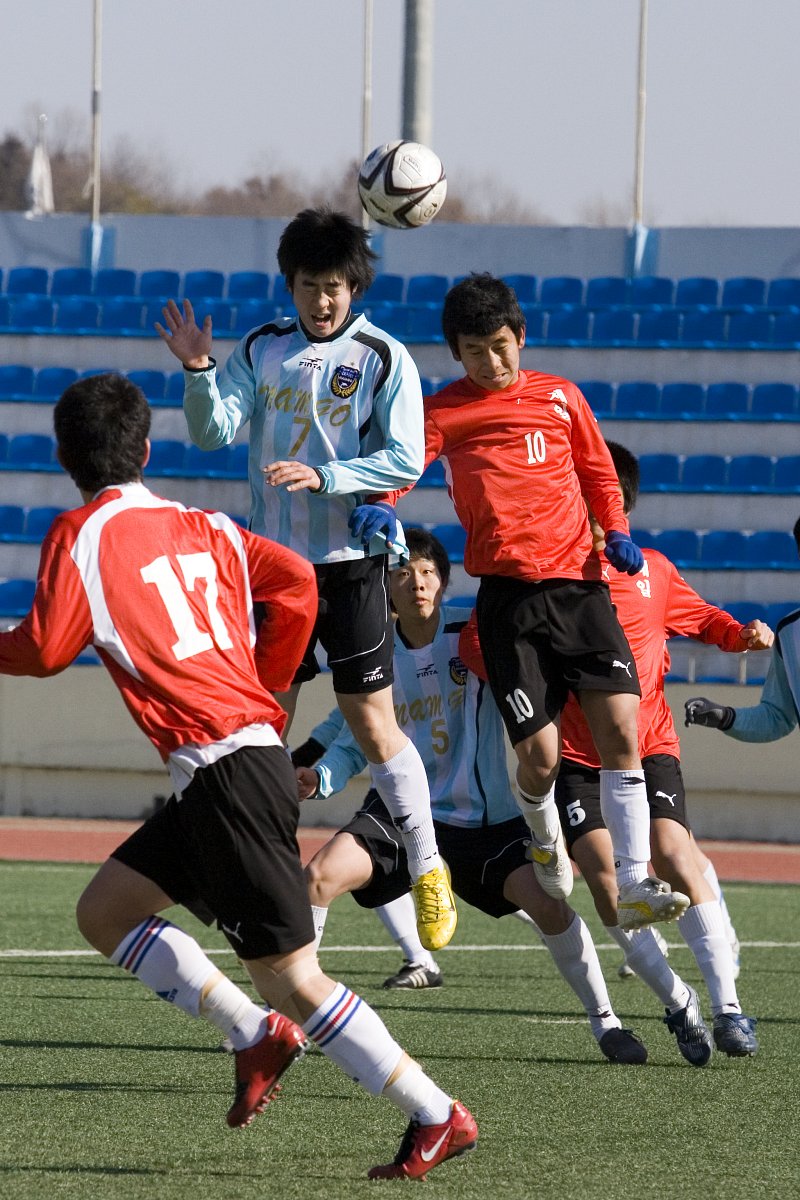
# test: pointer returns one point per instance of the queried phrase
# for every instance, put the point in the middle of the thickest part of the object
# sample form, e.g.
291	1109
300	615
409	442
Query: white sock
400	920
319	916
643	955
403	787
626	815
352	1035
575	956
541	815
710	876
704	931
171	964
415	1094
526	920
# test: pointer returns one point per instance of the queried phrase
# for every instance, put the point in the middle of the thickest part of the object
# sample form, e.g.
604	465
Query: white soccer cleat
647	901
551	866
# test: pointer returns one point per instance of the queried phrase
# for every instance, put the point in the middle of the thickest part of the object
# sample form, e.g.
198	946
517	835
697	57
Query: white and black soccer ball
402	184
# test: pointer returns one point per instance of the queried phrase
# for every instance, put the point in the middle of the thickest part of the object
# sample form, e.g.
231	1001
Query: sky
533	100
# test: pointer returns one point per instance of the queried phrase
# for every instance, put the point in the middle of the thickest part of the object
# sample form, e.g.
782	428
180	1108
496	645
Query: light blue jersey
776	715
349	405
450	716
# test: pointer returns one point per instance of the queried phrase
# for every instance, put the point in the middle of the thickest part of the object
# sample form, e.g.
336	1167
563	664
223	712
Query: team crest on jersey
561	406
458	672
345	381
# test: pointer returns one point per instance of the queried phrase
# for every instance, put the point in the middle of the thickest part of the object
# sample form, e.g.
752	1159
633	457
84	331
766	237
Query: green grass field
105	1087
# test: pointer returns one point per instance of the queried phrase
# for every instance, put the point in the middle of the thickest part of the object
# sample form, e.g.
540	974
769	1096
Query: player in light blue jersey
453	720
334	407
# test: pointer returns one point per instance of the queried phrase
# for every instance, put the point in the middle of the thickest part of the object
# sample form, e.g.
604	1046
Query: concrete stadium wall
68	748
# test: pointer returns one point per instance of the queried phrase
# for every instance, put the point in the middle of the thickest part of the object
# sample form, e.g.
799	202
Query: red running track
50	839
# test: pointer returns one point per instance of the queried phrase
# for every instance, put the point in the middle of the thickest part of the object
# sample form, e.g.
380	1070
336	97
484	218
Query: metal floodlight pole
641	108
366	96
96	227
418	72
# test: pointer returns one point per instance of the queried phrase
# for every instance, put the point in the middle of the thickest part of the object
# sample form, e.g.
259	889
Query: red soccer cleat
425	1146
259	1068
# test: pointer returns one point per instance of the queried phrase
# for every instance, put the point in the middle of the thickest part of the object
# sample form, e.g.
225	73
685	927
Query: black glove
623	553
306	754
700	711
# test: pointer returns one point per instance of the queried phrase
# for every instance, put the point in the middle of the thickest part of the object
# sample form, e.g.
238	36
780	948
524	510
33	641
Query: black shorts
480	858
578	794
354	626
542	640
229	846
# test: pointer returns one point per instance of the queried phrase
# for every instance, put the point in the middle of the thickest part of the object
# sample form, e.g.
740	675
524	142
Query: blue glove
366	520
622	553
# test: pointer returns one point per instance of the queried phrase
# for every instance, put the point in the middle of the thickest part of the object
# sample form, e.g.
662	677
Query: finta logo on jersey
314	363
345	381
427	670
458	672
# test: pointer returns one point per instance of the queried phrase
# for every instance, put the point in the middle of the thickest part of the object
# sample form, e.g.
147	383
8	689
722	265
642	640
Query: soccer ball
402	184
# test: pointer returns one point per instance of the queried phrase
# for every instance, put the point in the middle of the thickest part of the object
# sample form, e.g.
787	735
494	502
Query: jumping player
165	594
335	411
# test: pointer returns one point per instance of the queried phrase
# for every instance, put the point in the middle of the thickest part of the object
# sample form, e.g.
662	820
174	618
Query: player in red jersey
521	450
655	604
166	594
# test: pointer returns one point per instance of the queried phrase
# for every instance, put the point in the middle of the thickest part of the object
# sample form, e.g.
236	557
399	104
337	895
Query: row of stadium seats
549	292
168	456
20	383
28	524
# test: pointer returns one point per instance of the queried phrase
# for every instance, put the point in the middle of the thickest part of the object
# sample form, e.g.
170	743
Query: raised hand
187	340
757	635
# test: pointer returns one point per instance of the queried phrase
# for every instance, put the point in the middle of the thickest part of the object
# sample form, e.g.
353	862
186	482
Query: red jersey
165	594
652	606
518	464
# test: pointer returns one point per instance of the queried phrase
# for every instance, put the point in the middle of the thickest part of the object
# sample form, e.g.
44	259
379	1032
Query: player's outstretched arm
187	340
758	635
701	711
623	553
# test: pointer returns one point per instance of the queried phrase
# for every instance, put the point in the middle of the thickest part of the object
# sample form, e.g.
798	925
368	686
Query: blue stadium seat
637	398
651	289
453	538
599	396
787	473
751	472
606	290
659	327
559	290
780	609
71	281
3	447
4	311
160	283
122	316
680	546
166	456
727	399
28	281
745	611
703	328
153	383
392	318
39	519
433	475
240	519
659	471
424	323
427	288
250	314
207	463
697	290
16	597
772	549
743	290
567	327
682	399
526	287
534	322
50	382
750	330
114	281
238	460
725	548
206	284
249	285
12	521
16	382
613	327
175	388
280	293
31	314
386	287
31	452
220	311
786	330
783	293
76	314
774	400
704	472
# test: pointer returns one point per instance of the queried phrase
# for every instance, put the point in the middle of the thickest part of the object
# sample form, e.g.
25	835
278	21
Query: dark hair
423	544
627	468
796	532
101	425
320	239
480	305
